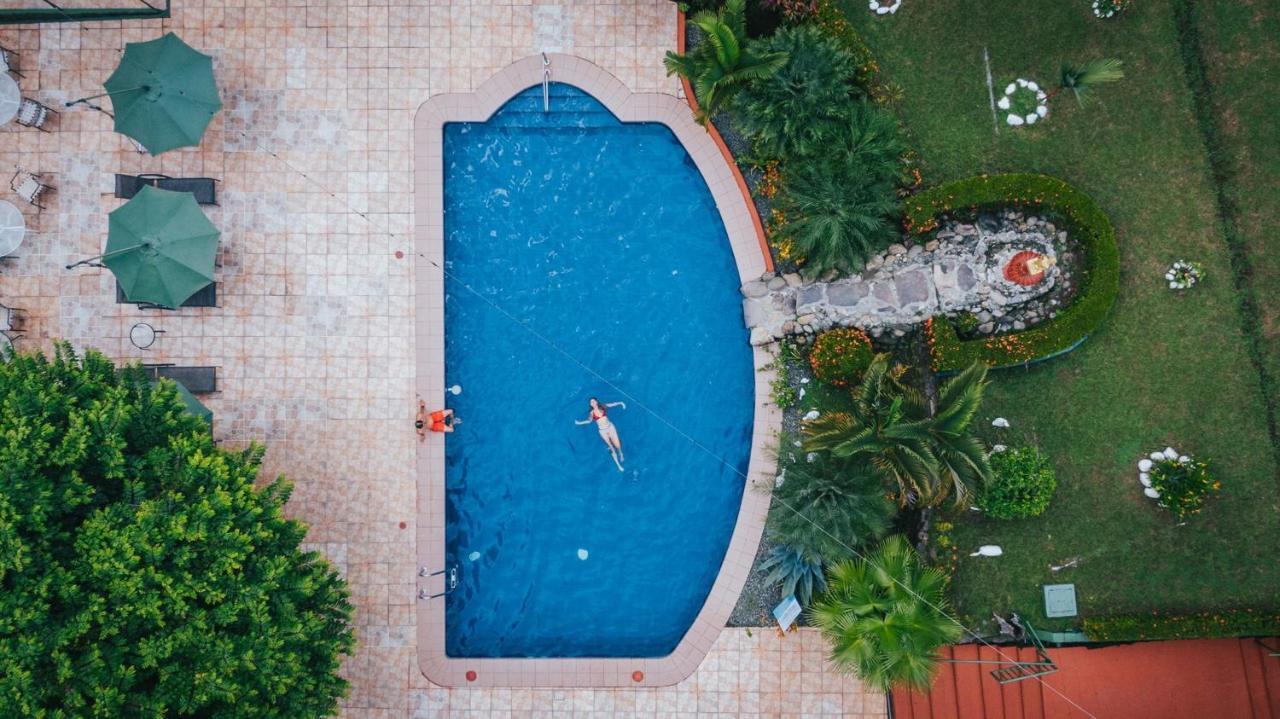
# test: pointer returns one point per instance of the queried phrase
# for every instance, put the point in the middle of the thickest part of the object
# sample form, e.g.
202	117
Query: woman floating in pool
599	414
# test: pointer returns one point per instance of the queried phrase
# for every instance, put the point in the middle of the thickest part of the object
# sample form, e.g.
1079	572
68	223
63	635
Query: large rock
755	288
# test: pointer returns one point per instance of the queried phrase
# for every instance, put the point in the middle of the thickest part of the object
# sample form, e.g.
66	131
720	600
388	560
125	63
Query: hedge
1205	625
1098	275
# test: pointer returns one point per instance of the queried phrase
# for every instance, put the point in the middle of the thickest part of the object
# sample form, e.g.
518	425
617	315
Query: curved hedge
1098	275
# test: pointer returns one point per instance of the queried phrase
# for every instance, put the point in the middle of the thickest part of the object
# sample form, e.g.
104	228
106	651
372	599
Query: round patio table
12	228
10	98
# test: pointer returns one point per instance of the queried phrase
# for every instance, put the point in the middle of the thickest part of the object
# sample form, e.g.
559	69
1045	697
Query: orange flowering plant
840	356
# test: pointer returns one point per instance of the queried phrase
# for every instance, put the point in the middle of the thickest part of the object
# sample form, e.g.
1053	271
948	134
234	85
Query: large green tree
141	573
886	616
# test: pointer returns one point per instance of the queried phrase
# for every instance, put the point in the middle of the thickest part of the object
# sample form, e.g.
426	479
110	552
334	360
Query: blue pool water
574	241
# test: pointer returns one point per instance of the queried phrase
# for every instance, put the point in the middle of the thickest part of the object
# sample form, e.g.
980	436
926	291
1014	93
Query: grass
1163	369
1240	50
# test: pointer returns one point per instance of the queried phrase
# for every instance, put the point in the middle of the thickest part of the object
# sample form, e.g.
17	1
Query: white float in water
583	554
473	556
455	390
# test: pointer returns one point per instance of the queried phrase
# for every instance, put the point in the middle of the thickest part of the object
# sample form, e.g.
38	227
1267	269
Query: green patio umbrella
163	93
161	247
194	406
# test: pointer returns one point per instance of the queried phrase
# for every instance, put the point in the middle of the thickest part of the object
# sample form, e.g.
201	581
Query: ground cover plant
1140	379
141	572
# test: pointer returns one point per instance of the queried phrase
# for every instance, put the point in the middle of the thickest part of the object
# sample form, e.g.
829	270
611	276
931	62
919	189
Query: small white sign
787	612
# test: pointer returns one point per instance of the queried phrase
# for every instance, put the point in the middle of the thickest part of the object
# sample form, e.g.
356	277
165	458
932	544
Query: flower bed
1183	275
1109	8
1205	625
1177	482
884	7
1098	274
840	356
1023	103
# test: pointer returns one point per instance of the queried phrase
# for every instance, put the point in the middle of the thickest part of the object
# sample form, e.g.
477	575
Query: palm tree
719	66
886	616
962	460
1080	78
929	455
888	424
826	507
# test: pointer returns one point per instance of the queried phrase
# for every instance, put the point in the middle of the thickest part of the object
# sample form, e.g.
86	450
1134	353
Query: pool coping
671	111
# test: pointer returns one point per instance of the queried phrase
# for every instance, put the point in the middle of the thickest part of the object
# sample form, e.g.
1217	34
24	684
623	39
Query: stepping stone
913	288
846	294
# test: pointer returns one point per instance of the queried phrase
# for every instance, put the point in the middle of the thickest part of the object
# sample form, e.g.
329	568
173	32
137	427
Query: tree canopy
141	572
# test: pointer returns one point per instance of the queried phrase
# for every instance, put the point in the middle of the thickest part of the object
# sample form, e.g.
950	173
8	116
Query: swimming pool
586	257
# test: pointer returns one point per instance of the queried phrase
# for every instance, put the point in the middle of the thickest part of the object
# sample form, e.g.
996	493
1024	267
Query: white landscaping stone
1145	479
1031	118
1144	465
1042	110
1157	456
1151	492
1003	104
1014	120
811	415
1170	453
1000	422
1010	89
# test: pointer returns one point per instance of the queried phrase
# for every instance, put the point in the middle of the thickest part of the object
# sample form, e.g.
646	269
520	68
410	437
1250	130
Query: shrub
1022	483
840	356
797	573
142	573
828	506
1204	625
793	111
830	18
1098	274
793	10
1183	484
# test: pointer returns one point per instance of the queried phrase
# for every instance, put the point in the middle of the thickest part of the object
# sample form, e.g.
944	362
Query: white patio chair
29	187
33	114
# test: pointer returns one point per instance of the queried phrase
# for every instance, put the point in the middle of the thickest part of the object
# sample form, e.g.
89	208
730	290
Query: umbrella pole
93	261
85	100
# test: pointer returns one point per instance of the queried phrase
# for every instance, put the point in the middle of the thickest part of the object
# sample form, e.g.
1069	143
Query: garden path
962	269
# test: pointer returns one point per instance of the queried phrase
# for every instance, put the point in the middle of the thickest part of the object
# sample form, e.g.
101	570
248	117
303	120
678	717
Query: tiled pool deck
314	335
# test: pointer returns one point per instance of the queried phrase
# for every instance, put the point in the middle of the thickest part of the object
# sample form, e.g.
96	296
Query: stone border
434	664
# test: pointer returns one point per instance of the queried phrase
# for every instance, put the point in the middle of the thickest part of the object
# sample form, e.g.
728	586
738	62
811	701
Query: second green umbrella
161	247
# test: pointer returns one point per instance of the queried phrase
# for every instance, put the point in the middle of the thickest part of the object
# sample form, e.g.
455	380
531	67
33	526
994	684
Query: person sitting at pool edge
441	420
609	433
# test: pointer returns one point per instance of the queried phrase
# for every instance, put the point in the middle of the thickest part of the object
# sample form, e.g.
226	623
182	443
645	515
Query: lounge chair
207	297
29	187
34	114
204	189
12	319
197	380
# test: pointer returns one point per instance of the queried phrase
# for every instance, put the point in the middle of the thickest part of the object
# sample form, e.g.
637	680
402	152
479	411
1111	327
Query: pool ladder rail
546	83
451	581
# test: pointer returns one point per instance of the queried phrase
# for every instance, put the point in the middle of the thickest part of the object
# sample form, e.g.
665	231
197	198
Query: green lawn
1241	48
1164	369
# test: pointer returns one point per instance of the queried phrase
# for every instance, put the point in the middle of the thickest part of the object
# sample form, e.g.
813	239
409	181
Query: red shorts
437	421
